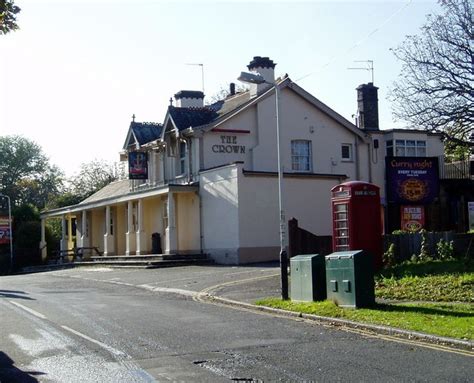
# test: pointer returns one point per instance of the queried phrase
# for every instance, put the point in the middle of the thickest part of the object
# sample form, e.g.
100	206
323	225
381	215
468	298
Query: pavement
241	287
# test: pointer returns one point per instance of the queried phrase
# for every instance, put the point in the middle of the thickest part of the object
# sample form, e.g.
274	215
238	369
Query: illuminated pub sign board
412	180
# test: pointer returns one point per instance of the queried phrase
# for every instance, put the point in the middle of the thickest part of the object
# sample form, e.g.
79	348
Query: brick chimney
265	68
367	107
189	99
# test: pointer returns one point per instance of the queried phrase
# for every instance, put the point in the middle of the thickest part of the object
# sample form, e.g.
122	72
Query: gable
140	133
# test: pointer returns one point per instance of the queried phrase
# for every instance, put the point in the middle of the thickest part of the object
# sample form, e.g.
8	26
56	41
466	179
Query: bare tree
435	88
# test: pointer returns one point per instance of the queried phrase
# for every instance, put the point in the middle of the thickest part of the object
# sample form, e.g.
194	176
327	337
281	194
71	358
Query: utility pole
9	229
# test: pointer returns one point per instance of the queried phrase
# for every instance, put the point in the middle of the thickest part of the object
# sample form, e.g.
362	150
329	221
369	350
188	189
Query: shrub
388	257
445	249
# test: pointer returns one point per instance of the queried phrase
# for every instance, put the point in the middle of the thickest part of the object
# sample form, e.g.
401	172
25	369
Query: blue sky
76	71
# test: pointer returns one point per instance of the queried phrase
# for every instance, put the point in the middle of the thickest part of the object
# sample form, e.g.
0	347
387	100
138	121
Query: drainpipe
369	159
356	155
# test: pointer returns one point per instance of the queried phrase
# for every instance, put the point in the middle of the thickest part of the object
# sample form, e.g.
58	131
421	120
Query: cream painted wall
152	220
188	222
97	228
120	228
220	214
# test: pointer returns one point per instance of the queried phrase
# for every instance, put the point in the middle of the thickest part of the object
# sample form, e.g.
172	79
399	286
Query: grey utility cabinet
350	278
308	279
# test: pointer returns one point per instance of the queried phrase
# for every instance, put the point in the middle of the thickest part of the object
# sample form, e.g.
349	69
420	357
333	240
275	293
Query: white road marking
168	290
31	311
97	342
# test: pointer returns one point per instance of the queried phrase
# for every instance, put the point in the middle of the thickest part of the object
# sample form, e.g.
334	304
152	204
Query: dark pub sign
137	166
412	180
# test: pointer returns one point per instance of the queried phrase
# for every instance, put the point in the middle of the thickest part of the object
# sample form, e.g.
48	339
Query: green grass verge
442	319
436	281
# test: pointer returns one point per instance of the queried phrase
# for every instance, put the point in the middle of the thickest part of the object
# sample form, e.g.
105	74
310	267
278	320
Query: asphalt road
103	325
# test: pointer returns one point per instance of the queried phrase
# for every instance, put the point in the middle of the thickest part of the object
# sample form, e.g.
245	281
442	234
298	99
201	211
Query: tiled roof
194	117
114	189
191	117
146	131
230	103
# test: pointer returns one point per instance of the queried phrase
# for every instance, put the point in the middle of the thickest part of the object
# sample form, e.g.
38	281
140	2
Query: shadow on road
14	294
10	373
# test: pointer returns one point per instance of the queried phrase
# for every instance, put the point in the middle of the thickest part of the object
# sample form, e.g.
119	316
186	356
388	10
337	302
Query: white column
43	248
70	244
84	233
171	238
63	243
130	234
108	237
141	234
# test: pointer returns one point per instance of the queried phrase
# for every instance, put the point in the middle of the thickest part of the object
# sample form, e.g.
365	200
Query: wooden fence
301	241
407	245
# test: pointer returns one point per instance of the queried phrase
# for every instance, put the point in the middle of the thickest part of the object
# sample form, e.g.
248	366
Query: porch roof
118	192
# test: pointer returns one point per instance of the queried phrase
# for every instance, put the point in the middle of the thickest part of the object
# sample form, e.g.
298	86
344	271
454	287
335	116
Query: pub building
205	180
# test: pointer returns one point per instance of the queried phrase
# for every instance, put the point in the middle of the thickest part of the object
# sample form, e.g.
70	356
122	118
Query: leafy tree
92	176
457	149
25	173
8	12
435	88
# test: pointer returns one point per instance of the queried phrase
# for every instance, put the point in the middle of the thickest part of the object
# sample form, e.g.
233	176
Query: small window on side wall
346	152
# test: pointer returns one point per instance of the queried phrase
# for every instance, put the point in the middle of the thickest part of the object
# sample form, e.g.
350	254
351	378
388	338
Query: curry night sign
412	180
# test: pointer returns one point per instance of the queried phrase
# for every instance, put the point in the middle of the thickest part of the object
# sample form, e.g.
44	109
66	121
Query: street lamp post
9	229
251	78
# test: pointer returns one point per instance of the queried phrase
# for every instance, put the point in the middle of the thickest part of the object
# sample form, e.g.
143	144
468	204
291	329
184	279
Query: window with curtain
301	155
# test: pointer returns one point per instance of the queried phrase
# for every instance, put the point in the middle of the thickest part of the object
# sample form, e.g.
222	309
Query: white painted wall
222	148
220	214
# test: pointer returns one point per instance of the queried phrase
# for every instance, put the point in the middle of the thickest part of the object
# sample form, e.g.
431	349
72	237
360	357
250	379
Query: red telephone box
357	219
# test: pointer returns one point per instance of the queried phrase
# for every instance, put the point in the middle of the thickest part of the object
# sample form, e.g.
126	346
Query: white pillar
84	233
108	235
141	234
171	237
63	243
70	243
130	234
43	248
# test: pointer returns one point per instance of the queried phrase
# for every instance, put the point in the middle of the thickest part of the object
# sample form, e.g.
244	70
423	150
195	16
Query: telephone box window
301	155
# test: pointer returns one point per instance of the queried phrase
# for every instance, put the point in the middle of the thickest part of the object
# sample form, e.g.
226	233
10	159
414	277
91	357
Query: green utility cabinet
308	278
350	278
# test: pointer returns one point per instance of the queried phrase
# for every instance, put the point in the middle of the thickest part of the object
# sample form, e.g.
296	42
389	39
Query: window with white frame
301	155
406	148
346	152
